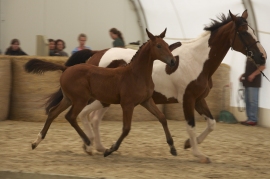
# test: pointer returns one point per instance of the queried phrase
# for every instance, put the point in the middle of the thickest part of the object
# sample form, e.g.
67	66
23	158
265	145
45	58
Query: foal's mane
215	24
134	56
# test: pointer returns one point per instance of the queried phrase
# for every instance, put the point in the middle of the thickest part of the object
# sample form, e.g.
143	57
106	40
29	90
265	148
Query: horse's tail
53	100
38	66
80	57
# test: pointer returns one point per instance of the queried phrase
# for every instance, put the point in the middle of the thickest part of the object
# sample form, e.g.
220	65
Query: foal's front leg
151	107
202	108
127	117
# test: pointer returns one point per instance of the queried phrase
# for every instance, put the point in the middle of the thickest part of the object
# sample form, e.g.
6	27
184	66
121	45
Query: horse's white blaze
260	47
116	54
192	56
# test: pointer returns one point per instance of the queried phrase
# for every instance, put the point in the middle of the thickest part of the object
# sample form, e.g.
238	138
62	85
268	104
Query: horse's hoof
205	160
85	150
173	152
187	144
107	152
34	145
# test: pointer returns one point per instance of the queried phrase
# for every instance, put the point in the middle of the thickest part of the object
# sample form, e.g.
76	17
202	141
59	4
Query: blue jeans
251	98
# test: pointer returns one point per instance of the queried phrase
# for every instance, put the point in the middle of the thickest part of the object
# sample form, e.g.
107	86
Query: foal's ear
245	14
151	36
232	16
162	35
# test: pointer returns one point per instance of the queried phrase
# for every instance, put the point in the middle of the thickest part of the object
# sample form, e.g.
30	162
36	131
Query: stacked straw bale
30	90
5	86
214	100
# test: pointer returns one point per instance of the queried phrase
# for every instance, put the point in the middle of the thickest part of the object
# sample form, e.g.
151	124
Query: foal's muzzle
172	62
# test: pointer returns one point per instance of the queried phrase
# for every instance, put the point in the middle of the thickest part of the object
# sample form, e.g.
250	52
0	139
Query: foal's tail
38	66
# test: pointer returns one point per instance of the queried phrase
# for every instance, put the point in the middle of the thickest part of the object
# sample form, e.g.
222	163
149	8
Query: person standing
59	48
82	39
251	80
51	47
14	48
117	36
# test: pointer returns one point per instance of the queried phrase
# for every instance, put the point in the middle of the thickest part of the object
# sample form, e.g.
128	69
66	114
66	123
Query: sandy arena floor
236	151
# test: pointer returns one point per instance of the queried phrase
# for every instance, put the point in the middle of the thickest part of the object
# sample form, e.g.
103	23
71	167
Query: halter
249	53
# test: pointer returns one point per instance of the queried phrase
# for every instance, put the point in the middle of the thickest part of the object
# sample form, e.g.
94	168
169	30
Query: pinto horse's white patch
193	55
116	54
260	47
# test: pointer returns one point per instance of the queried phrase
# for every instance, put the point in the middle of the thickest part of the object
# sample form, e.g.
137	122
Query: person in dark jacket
59	48
51	47
117	36
251	80
14	48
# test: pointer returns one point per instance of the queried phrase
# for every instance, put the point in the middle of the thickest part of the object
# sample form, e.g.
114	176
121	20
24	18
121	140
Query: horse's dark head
160	49
244	40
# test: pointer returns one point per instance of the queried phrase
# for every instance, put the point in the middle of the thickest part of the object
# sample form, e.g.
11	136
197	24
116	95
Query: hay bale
5	86
139	114
30	90
220	78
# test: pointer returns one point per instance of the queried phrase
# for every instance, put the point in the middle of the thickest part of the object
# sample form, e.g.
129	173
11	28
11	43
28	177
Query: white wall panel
65	19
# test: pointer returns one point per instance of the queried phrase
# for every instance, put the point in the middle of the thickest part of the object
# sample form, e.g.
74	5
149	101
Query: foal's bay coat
129	86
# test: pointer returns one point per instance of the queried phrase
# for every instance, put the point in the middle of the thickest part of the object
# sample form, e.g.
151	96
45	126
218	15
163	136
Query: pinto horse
189	81
129	86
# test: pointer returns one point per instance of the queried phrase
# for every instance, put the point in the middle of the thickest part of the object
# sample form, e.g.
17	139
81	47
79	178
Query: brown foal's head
160	49
244	40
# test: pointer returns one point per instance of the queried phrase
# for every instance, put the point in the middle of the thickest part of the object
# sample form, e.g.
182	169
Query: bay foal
128	86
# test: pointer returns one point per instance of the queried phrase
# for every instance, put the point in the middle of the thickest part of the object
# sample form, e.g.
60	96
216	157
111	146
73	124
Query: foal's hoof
85	150
187	144
173	152
205	160
34	145
107	152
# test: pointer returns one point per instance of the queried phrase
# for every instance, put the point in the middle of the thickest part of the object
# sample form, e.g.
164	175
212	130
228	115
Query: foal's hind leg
202	108
53	113
71	117
188	106
151	107
127	116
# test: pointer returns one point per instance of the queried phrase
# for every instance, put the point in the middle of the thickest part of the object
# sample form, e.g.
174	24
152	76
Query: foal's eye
158	46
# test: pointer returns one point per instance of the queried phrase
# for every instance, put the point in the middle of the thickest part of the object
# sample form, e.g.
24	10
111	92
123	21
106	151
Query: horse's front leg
127	117
202	108
95	119
151	107
188	106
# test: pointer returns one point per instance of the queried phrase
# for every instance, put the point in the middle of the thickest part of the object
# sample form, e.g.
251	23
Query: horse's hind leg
85	116
188	106
127	117
151	107
53	113
202	108
95	120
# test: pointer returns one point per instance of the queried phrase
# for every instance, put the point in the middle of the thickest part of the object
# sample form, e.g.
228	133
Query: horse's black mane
215	24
